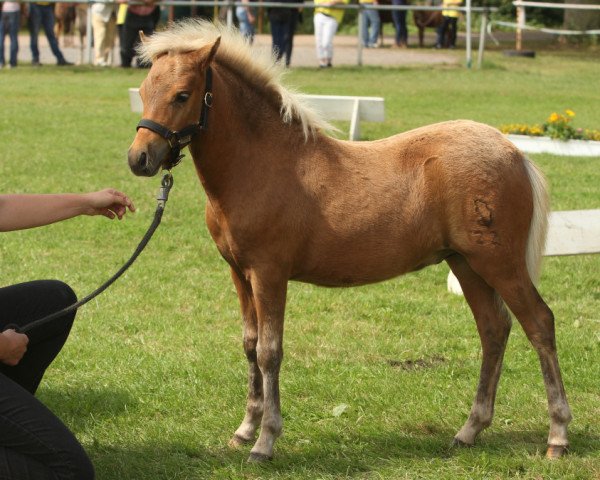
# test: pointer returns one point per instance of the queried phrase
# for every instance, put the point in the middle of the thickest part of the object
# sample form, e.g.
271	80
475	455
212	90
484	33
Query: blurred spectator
41	14
283	23
326	21
9	24
450	19
370	21
104	21
399	19
138	18
246	16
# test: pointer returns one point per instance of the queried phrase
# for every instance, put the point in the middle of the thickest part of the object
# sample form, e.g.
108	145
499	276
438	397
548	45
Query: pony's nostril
143	160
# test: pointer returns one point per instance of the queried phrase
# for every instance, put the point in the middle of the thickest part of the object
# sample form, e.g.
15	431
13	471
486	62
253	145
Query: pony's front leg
254	404
269	298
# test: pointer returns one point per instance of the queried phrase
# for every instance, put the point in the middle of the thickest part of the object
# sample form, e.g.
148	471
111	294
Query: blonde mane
258	64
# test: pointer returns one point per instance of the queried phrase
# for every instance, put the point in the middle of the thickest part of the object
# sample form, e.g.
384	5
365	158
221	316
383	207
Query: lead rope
162	197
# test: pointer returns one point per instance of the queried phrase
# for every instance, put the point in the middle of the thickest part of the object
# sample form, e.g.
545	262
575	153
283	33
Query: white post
230	8
88	35
468	33
484	18
520	26
359	50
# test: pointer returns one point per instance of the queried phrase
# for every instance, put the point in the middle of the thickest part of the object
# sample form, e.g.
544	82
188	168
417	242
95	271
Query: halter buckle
208	99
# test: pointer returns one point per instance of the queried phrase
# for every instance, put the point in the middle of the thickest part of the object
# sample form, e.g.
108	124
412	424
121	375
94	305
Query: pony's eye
182	97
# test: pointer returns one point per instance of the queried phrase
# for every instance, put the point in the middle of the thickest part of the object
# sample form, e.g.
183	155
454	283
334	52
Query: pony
71	18
428	19
286	201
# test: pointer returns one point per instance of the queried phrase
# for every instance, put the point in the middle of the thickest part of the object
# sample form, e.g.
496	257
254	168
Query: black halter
178	140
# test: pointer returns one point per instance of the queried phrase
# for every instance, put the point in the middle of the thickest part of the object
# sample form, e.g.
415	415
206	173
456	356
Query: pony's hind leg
493	324
254	404
537	321
512	282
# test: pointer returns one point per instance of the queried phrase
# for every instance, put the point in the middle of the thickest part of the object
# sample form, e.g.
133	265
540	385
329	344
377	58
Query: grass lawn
153	378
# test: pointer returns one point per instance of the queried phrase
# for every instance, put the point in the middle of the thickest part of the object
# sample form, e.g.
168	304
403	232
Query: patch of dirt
416	364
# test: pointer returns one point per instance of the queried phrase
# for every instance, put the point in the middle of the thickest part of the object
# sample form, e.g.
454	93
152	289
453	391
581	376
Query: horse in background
423	19
427	19
71	18
285	201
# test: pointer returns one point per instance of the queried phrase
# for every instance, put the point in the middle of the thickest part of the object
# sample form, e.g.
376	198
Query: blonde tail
536	243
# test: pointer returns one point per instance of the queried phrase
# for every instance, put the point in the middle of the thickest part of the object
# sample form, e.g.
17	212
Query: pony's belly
353	270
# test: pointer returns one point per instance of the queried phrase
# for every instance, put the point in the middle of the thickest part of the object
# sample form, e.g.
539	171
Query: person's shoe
36	63
64	63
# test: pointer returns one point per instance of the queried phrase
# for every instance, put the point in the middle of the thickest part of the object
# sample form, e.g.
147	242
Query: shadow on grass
84	405
330	456
317	453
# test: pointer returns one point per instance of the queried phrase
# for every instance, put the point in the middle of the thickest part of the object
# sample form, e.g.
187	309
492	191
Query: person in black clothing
139	18
283	23
34	443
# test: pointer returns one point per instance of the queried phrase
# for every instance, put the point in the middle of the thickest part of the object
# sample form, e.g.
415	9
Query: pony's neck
246	138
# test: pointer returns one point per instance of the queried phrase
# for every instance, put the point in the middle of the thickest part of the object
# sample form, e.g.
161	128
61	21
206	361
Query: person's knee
64	292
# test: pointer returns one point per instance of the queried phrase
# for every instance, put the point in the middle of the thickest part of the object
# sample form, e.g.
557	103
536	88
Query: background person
246	16
450	19
34	443
104	23
41	15
283	22
399	19
138	18
9	24
326	20
370	24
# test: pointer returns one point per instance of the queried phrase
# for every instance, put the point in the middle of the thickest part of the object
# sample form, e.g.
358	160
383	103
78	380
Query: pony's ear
143	37
213	51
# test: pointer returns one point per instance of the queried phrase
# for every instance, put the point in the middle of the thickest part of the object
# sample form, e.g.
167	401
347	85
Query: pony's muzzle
145	159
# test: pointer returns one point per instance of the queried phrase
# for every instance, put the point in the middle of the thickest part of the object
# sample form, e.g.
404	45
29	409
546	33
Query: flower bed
556	135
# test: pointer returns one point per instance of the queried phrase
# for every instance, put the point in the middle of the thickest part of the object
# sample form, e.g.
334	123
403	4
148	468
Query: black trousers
34	443
131	36
448	24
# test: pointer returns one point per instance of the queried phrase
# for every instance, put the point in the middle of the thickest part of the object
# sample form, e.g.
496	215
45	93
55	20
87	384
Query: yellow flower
570	112
555	117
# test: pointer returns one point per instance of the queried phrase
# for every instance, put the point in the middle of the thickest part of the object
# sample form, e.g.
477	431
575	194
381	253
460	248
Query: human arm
21	211
13	346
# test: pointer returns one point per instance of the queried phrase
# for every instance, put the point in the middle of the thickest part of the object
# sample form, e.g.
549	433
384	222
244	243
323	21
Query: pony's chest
221	235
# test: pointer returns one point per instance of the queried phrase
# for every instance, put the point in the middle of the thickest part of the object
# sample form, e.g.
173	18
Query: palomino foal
287	202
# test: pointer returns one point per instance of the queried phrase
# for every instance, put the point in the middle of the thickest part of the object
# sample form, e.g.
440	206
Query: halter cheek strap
180	139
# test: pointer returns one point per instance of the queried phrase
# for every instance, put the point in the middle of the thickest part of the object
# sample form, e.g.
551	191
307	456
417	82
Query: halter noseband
178	140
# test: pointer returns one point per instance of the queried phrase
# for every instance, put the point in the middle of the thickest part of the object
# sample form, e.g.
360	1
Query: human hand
108	202
13	346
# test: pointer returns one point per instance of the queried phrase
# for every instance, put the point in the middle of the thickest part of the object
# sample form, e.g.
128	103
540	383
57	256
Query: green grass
153	378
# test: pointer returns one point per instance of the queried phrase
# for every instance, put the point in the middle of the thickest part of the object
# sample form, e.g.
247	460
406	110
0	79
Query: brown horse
288	202
71	18
428	19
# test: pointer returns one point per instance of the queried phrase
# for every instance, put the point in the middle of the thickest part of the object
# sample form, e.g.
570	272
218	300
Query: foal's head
172	95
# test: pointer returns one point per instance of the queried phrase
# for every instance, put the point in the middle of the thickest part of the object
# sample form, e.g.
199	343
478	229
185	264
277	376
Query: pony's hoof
457	443
258	458
237	441
556	451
